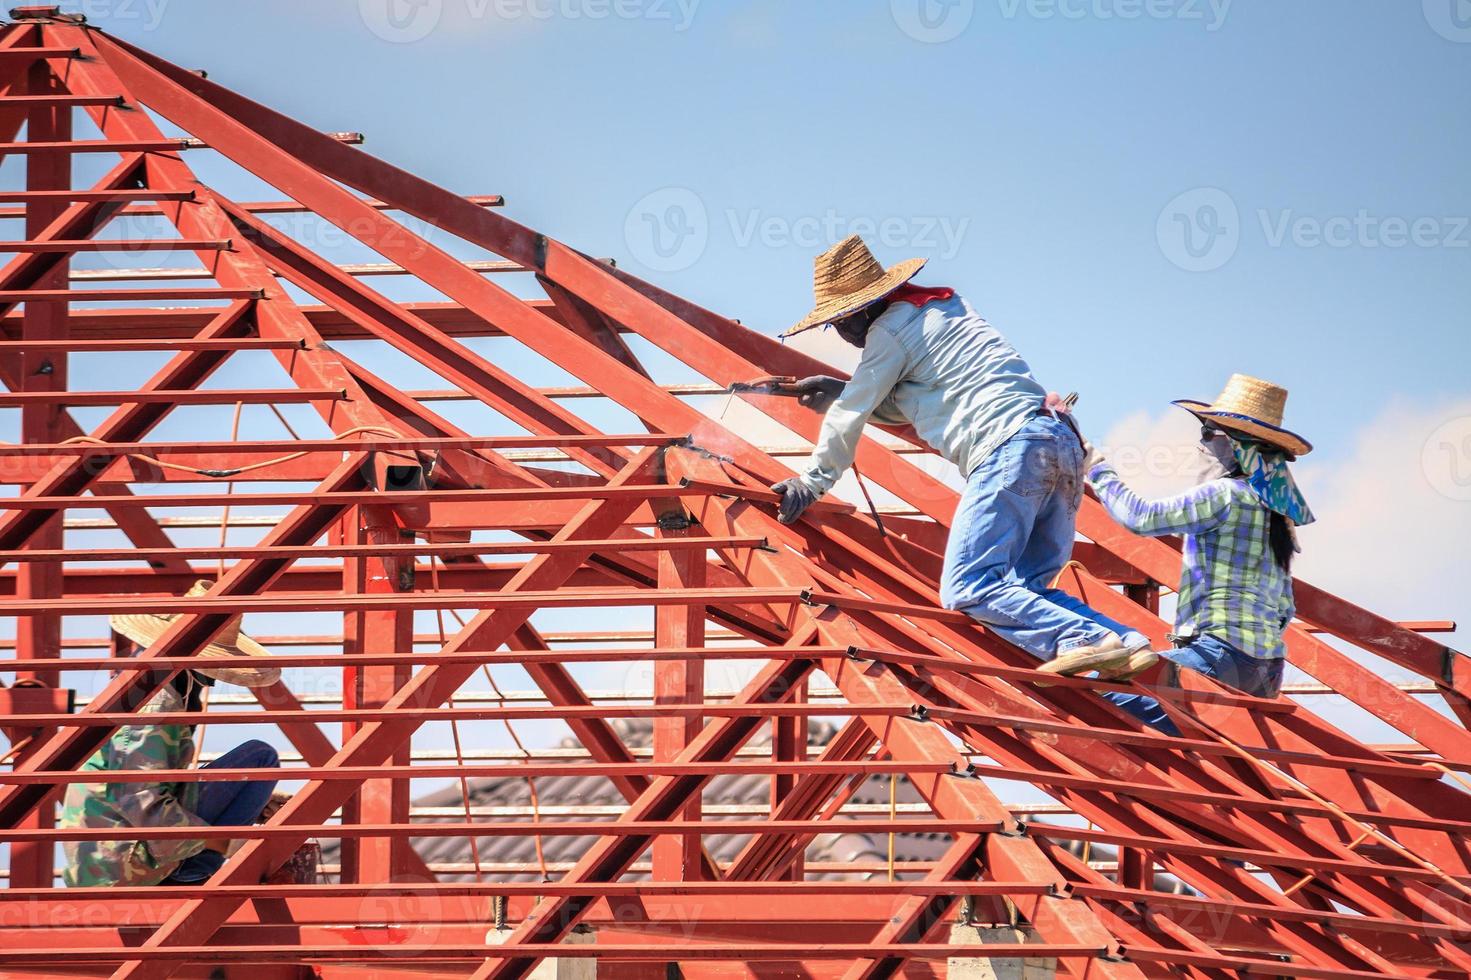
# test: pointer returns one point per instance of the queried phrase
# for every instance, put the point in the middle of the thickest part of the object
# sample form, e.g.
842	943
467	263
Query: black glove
796	497
818	392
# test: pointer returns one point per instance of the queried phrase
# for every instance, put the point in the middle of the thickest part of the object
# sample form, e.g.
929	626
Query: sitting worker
1235	597
930	360
169	747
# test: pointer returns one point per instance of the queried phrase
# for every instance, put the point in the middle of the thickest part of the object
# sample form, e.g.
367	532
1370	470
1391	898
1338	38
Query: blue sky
1145	195
1031	157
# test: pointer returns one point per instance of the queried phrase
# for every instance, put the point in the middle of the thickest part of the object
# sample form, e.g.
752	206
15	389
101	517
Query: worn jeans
1218	660
1013	534
228	805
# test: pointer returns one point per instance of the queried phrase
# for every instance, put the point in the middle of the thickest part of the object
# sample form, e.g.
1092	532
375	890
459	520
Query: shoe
1139	662
1110	654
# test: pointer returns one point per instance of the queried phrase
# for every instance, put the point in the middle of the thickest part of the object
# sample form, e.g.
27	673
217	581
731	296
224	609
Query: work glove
796	497
818	392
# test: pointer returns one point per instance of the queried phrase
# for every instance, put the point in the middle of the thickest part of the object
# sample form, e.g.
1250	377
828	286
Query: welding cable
872	510
1268	769
226	474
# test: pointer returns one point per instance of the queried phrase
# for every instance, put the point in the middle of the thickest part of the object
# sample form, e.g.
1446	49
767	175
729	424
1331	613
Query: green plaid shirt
1231	585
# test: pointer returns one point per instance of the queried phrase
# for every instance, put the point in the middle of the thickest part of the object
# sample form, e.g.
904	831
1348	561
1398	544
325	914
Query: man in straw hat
1235	596
184	804
930	360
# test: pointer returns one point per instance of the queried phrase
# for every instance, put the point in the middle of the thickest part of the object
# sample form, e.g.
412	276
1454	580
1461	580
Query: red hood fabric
920	295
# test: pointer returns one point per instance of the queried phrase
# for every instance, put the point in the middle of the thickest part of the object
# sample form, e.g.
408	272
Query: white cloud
1388	536
1392	519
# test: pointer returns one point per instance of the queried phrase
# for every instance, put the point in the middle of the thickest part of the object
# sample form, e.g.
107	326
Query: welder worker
169	747
1239	527
930	360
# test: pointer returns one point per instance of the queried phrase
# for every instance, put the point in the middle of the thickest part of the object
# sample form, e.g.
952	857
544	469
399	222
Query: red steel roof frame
1364	870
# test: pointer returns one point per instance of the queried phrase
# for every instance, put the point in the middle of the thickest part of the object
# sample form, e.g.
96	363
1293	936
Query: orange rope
226	474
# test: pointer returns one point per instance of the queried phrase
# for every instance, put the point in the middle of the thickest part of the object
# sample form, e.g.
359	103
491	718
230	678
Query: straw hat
1254	408
847	278
229	642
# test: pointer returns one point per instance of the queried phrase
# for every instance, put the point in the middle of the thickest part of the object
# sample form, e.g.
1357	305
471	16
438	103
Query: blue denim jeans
1217	660
1013	534
229	805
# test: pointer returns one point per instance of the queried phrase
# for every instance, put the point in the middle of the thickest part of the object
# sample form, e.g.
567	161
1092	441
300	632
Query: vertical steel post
380	801
788	744
32	864
678	682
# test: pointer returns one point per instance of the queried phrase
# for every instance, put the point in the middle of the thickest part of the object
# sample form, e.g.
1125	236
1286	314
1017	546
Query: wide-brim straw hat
1254	408
145	629
847	278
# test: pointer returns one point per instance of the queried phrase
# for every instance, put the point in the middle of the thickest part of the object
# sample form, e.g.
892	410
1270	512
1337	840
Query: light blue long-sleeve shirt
943	369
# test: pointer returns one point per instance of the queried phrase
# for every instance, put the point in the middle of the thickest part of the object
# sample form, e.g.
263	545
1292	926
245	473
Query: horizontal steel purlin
568	598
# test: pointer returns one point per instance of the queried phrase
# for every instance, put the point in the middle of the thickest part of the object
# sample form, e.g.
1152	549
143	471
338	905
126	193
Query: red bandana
920	295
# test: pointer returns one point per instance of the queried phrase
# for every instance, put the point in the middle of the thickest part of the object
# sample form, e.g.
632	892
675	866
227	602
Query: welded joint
1013	828
674	520
767	547
919	712
1448	659
1113	953
688	442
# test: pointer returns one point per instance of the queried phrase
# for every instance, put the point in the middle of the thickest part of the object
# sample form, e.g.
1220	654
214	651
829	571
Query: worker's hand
818	392
1091	456
1057	404
219	844
796	497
